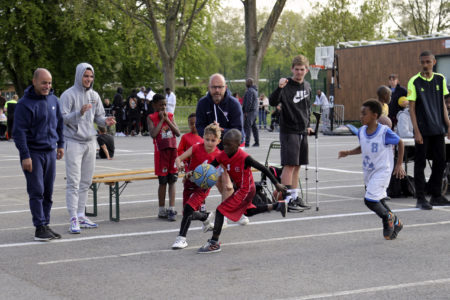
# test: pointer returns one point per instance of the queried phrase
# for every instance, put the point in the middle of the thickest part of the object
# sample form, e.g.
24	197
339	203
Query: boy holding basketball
164	131
239	166
193	195
376	145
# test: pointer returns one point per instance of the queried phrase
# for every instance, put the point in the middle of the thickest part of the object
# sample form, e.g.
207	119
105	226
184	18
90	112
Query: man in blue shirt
37	132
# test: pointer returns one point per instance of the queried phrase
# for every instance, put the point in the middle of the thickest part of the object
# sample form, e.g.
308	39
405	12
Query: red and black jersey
200	156
187	141
165	138
235	167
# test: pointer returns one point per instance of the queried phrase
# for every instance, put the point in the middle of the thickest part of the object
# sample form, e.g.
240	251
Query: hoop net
314	70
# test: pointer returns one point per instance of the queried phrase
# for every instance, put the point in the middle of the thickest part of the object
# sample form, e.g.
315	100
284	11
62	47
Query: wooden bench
117	182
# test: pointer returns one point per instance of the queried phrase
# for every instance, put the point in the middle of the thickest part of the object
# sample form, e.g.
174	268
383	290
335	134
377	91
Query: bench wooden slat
123	173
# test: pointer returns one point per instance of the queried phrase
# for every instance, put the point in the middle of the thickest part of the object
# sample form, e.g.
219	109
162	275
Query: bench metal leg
114	193
94	188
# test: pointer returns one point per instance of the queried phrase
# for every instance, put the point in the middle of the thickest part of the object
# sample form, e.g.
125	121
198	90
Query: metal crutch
316	133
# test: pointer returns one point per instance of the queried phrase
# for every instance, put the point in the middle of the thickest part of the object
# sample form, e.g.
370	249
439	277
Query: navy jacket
228	113
250	100
38	123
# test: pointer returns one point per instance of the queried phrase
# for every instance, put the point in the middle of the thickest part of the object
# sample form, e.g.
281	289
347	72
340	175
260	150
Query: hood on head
81	68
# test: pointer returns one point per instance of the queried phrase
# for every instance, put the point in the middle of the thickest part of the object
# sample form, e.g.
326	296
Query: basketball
402	101
205	176
385	121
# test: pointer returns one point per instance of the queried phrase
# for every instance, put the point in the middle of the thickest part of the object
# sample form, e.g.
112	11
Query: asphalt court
337	252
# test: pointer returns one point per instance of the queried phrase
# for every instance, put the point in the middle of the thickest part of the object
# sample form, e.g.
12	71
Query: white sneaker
180	243
243	220
74	226
208	224
86	223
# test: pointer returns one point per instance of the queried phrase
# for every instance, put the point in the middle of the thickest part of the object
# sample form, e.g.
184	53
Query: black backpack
260	196
401	187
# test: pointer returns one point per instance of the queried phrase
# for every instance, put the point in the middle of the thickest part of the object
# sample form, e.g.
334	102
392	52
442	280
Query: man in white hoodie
81	106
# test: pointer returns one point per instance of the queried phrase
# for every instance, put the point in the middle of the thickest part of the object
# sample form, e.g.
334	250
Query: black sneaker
282	208
255	145
42	234
302	203
210	247
388	226
56	235
294	207
398	225
439	201
422	203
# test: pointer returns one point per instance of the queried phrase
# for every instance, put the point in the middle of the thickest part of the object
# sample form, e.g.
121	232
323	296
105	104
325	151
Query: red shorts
194	195
235	206
165	162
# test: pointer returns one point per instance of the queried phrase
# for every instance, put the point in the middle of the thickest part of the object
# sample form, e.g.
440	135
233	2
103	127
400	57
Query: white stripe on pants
80	165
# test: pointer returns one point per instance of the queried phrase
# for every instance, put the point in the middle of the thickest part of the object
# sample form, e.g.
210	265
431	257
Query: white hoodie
79	127
404	124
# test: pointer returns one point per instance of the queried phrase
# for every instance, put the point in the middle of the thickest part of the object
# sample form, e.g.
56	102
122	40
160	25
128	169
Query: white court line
327	234
119	235
373	289
98	204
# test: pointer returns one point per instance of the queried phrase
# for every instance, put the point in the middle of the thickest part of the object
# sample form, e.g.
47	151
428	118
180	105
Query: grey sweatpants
80	165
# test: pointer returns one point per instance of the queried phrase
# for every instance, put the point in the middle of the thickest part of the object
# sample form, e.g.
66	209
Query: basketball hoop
314	70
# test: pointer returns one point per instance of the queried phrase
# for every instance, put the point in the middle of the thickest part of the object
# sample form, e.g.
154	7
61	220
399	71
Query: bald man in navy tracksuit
38	132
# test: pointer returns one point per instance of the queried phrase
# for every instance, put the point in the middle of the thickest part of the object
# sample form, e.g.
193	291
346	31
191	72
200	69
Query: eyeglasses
217	87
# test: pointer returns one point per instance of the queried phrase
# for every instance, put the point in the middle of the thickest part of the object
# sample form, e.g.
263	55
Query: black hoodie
295	101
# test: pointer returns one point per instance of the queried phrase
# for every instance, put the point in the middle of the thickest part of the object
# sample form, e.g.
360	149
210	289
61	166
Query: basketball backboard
325	56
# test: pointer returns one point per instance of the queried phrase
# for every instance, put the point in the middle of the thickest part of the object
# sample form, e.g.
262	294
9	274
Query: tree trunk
257	42
169	74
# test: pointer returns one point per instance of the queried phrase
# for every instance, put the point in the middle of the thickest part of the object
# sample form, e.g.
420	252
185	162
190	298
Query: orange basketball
385	121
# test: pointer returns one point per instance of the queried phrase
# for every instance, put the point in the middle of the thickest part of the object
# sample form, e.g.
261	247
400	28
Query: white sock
162	209
172	208
294	194
290	196
80	215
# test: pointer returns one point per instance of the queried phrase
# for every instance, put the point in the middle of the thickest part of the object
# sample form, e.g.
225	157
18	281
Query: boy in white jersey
376	145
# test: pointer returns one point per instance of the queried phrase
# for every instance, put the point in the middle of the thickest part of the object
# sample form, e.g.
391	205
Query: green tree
170	22
56	35
257	41
421	17
228	37
343	20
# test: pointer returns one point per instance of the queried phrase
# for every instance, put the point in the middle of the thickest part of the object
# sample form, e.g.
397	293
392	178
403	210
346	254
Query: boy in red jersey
189	139
163	130
239	165
194	196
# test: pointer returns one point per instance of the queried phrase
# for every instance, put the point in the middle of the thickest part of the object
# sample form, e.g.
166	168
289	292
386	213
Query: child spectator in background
106	143
189	139
193	195
384	96
133	116
164	131
275	117
404	124
376	145
239	166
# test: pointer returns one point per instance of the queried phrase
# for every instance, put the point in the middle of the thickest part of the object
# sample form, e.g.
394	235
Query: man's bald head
42	81
217	87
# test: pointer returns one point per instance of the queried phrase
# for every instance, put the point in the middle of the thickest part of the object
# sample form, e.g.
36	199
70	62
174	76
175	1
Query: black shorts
294	149
168	179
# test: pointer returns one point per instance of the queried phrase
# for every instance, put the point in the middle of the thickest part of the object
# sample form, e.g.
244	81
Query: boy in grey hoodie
81	106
